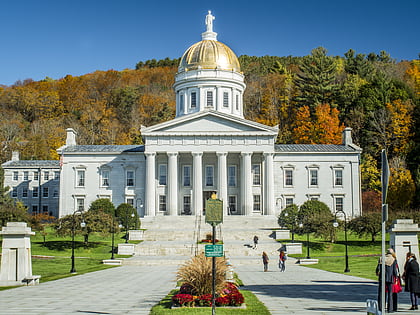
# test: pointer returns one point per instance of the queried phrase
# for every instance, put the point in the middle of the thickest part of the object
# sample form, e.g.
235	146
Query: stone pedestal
135	235
282	234
16	263
126	249
293	248
403	238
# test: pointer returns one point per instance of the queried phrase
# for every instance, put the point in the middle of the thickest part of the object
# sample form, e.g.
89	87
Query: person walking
265	260
391	272
411	278
255	241
282	261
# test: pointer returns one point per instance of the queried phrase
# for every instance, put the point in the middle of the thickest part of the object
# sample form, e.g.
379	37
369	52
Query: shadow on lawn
65	245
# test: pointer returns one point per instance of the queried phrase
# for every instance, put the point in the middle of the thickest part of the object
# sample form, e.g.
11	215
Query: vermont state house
208	147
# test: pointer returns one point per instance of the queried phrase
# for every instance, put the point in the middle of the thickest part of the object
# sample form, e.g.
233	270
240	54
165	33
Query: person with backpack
282	261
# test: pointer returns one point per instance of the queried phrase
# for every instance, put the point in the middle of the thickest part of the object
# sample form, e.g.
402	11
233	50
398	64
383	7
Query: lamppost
82	225
112	232
126	225
335	224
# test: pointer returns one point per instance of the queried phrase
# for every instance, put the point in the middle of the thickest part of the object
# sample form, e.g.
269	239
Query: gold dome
209	54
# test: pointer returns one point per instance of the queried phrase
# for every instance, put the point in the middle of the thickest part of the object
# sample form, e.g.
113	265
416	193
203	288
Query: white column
247	199
269	184
222	180
197	183
172	183
150	201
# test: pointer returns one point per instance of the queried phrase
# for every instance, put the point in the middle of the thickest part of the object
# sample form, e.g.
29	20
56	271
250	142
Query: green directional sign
213	250
214	211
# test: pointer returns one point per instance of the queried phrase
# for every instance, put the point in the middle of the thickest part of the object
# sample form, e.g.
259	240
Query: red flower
204	300
222	301
183	299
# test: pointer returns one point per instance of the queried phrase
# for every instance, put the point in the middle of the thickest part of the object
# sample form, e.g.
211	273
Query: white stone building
210	147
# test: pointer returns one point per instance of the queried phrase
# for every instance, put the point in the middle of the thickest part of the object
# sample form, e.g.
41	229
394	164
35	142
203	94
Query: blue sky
53	38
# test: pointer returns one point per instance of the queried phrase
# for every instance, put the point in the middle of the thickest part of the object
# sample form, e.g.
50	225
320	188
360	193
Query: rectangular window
256	174
55	192
187	204
162	203
314	177
225	99
45	192
81	178
26	175
24	192
338	177
14	192
34	209
257	203
162	174
130	178
44	209
105	178
232	204
193	99
80	204
186	176
56	175
339	203
130	201
36	176
15	176
237	102
209	99
35	192
46	175
181	103
288	177
232	176
289	201
209	175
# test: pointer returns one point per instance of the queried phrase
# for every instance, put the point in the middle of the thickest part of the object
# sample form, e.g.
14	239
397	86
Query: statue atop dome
209	34
209	21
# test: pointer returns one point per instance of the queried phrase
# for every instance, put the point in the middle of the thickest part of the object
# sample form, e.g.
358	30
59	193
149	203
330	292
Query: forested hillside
311	98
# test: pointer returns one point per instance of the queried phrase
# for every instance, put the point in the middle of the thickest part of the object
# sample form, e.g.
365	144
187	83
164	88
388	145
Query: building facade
209	147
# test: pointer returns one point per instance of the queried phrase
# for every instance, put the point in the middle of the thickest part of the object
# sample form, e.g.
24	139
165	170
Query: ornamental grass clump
196	288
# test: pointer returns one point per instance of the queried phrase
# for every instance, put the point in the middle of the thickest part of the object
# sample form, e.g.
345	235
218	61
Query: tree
40	221
316	217
128	216
368	224
371	174
371	201
401	189
102	204
288	218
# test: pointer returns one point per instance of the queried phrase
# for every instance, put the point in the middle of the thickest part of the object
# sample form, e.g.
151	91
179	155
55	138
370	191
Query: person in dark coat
391	272
265	260
411	278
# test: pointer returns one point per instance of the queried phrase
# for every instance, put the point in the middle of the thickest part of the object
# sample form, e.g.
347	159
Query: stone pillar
403	238
150	184
247	199
197	183
222	180
16	263
269	184
172	183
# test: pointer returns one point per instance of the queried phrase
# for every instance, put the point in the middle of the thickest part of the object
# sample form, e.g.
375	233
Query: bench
31	280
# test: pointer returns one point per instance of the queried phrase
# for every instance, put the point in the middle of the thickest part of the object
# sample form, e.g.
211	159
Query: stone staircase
172	240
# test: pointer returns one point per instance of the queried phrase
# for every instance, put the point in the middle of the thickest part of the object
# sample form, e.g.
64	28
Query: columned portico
197	182
269	184
222	180
247	201
172	183
150	184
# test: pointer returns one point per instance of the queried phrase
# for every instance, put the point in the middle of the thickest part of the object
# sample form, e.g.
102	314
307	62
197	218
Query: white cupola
209	77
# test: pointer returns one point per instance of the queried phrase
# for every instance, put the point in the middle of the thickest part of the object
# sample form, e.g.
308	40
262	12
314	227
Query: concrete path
121	290
304	290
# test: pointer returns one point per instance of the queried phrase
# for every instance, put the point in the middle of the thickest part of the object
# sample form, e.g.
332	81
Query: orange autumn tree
323	127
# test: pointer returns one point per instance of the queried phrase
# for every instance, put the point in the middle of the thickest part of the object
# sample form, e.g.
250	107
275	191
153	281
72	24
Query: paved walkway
135	289
304	290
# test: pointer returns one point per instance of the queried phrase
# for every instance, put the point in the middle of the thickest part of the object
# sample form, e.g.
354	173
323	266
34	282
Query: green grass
253	306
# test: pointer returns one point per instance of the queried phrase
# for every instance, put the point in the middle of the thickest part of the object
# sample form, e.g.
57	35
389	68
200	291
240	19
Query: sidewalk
304	290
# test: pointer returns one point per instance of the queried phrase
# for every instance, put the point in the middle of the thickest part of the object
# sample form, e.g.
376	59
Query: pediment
209	123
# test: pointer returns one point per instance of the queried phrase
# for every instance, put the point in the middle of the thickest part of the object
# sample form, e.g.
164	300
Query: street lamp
82	225
112	232
335	224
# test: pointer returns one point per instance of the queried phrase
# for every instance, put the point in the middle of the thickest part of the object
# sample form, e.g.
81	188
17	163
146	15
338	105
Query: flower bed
229	296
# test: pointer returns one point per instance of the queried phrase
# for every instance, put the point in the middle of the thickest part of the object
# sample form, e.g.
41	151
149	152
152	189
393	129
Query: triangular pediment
210	122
